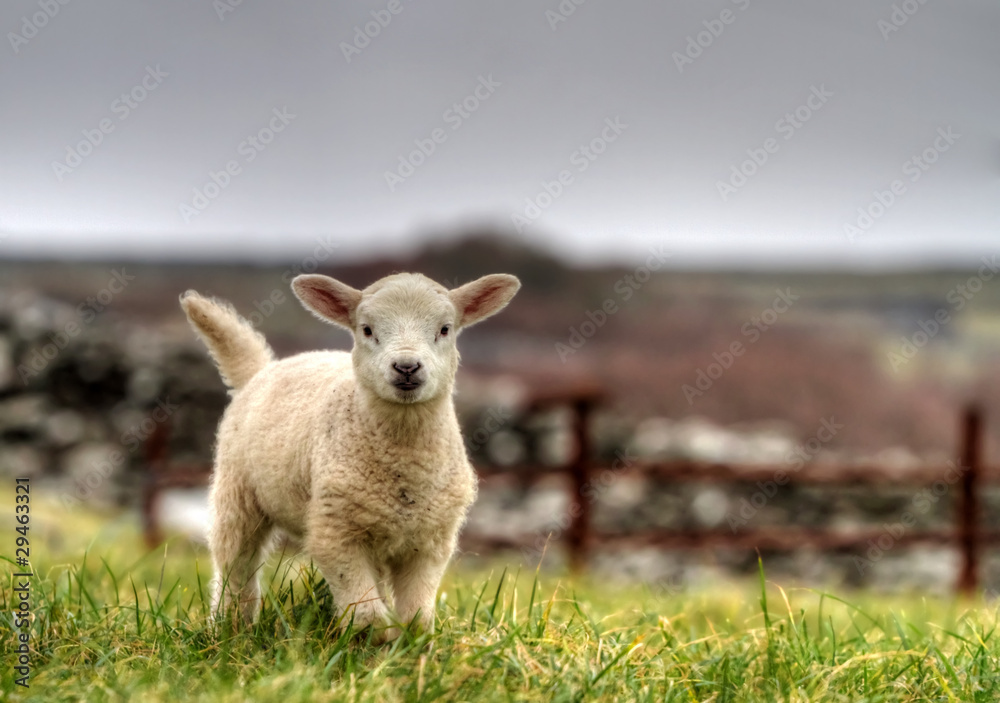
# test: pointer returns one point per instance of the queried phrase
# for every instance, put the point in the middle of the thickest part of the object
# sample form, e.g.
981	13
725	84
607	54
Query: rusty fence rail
580	537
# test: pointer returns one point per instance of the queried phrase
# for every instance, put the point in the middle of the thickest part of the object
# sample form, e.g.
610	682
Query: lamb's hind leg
237	538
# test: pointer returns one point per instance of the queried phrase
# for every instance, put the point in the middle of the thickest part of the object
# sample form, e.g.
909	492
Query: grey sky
879	98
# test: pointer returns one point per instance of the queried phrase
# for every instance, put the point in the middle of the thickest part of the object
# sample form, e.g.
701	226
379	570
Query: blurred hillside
891	356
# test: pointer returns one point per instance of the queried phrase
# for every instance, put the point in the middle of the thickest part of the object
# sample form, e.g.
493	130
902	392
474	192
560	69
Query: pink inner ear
331	303
483	299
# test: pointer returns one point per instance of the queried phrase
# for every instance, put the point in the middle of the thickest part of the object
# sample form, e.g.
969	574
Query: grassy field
114	622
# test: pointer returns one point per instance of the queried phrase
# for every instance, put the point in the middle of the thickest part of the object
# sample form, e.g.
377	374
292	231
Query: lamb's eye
367	330
444	331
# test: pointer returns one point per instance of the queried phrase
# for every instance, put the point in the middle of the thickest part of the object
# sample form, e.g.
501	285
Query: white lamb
358	456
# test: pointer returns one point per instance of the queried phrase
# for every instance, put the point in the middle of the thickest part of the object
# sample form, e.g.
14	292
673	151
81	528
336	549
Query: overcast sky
313	117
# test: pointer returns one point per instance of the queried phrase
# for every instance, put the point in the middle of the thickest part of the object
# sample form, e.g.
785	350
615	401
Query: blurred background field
837	351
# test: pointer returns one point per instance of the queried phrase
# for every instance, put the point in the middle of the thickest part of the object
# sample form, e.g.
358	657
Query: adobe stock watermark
753	330
454	117
795	459
496	420
669	587
913	169
250	148
225	7
263	309
900	15
958	297
625	287
593	489
579	161
121	107
698	43
131	439
786	126
88	310
564	10
922	503
365	33
31	26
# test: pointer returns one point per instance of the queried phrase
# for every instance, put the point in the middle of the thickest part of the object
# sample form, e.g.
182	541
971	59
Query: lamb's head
405	326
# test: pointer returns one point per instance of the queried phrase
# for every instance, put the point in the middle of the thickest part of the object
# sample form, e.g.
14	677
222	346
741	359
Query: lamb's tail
239	350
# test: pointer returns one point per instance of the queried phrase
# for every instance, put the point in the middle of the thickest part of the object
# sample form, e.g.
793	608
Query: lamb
357	456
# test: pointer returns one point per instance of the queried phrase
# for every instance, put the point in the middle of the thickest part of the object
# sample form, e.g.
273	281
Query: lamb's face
404	327
404	342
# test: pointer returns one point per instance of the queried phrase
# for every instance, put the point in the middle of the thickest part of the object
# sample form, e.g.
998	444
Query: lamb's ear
483	297
327	298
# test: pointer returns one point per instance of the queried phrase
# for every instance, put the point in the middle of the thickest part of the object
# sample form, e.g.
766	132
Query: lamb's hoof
371	619
385	635
374	634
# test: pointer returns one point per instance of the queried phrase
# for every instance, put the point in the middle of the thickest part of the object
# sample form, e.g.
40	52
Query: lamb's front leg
346	568
415	585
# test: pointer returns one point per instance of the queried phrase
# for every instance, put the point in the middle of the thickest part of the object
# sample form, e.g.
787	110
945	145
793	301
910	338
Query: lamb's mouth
408	385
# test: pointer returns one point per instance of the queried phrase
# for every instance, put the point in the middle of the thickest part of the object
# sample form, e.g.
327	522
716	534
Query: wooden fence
967	536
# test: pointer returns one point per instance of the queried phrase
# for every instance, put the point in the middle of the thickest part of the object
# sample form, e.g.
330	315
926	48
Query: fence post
156	455
579	531
968	504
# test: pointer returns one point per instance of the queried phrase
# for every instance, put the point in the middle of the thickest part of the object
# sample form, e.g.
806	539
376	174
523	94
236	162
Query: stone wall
81	391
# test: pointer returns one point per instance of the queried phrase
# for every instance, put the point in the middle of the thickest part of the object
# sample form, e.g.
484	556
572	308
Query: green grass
114	622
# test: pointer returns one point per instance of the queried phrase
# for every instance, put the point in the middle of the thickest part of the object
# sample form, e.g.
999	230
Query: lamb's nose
407	368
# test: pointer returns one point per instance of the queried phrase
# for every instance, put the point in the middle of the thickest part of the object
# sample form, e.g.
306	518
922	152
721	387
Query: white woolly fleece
358	456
